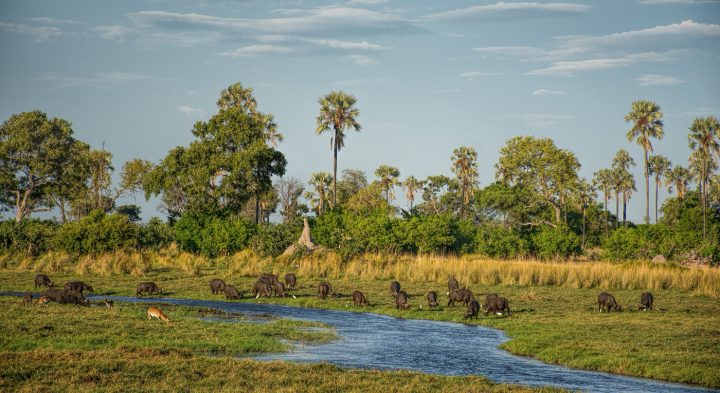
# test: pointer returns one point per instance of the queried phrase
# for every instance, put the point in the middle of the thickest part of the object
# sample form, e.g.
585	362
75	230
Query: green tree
352	181
659	166
34	154
603	180
237	96
289	191
412	186
583	194
646	124
703	140
321	184
71	182
433	189
679	177
624	180
388	177
337	113
541	167
465	167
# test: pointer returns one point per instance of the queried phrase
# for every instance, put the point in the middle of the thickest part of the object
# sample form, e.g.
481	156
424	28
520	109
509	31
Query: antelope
154	312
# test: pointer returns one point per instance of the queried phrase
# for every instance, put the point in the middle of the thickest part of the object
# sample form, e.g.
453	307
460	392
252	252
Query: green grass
678	342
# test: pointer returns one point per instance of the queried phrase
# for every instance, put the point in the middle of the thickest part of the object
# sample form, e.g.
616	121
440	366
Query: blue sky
429	76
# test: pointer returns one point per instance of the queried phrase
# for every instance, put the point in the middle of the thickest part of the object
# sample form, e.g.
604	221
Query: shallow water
378	341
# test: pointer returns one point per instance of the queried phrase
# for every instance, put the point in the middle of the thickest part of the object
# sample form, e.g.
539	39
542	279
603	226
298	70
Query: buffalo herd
269	284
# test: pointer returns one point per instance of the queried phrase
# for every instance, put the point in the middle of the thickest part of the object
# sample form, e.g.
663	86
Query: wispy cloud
678	1
257	50
538	120
547	93
572	68
657	80
505	10
366	2
190	111
361	59
116	33
39	33
99	80
471	75
54	21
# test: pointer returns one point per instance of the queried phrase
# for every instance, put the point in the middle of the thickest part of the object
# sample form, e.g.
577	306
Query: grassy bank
70	348
556	322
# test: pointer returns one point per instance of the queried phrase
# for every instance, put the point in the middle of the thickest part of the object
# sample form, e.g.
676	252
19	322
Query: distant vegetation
218	194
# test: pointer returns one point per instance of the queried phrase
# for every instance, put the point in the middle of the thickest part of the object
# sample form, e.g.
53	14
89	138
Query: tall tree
465	167
646	124
624	180
34	153
71	183
583	194
337	113
321	184
352	181
388	177
289	191
433	189
603	180
679	177
411	185
659	166
237	96
703	140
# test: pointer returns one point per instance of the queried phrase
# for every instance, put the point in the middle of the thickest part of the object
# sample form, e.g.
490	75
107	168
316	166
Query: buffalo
646	301
217	285
290	280
42	280
324	290
78	286
472	310
496	304
359	299
460	295
452	285
231	292
401	301
268	278
606	302
66	296
394	288
432	299
147	287
261	288
279	289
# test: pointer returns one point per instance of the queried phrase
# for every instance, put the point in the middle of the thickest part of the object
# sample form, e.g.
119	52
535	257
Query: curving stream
378	341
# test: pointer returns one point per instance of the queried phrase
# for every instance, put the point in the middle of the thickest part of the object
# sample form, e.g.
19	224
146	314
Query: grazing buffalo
217	285
78	286
231	292
268	278
359	299
147	287
472	310
27	299
606	302
290	280
324	290
279	289
646	301
401	301
460	295
261	288
452	285
66	296
394	288
42	280
496	304
432	299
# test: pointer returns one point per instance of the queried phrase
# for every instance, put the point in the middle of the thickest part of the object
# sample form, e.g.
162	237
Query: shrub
213	236
154	235
556	243
29	237
97	233
271	240
497	241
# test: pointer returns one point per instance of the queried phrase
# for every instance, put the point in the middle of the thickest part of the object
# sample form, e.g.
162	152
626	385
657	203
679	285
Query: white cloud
547	93
505	10
40	33
54	21
361	59
115	32
678	1
657	80
99	80
572	68
447	91
189	111
256	50
471	75
366	2
347	45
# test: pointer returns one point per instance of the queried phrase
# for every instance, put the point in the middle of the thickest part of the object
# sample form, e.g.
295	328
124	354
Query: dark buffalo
78	286
324	290
646	301
452	285
66	296
147	287
472	310
268	278
261	288
279	289
460	295
496	304
401	301
359	299
217	285
394	288
290	280
606	302
42	280
432	299
231	292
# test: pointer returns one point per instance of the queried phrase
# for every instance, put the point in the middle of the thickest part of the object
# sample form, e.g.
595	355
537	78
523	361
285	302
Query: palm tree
623	160
679	177
659	166
465	167
627	186
272	136
646	120
337	113
603	180
704	143
621	164
388	176
411	185
583	193
321	183
238	96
